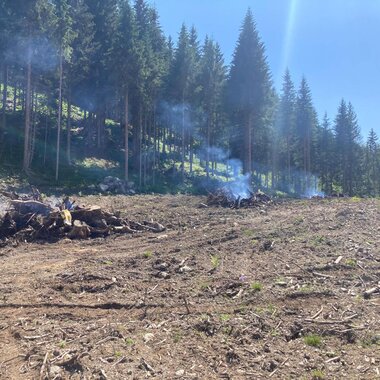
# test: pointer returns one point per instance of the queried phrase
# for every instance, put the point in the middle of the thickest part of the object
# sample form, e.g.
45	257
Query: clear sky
334	43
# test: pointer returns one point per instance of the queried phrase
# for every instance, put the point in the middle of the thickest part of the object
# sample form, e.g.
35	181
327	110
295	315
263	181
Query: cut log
80	230
88	214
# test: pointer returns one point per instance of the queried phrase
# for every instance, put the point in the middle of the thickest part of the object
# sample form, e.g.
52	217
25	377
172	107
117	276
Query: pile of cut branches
32	220
226	198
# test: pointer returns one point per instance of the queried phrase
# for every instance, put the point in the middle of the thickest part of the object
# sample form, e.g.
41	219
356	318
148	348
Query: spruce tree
347	139
249	90
5	37
372	164
326	157
64	35
124	53
180	80
286	130
305	124
78	67
100	88
212	80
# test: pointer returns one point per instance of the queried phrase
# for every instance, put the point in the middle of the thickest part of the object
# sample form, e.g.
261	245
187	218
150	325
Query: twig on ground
153	289
35	337
106	339
121	360
272	373
317	314
335	359
146	366
43	367
186	304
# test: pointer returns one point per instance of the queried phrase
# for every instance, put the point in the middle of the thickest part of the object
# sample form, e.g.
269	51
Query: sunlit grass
93	162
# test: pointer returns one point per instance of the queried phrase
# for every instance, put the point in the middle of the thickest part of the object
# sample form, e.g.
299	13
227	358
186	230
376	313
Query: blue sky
334	43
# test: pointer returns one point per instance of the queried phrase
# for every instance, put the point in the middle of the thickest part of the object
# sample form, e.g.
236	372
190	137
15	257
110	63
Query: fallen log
88	214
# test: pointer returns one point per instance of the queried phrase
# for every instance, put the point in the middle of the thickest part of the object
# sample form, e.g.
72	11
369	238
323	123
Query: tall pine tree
249	90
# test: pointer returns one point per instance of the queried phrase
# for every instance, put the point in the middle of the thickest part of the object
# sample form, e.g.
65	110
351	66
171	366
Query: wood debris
226	198
32	220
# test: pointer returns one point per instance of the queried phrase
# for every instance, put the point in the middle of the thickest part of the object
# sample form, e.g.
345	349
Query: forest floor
274	293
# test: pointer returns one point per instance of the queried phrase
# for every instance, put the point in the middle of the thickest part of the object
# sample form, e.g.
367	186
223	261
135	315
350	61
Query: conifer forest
91	87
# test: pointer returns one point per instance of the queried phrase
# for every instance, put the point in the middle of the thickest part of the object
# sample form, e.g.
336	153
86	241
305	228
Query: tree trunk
183	139
23	100
191	153
248	145
145	145
68	128
164	134
25	165
46	136
5	94
14	97
288	157
140	145
156	145
208	146
59	113
33	126
126	135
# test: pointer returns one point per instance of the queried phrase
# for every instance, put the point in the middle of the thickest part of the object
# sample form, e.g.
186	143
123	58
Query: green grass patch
248	233
215	261
225	317
256	287
370	341
177	337
351	263
317	240
313	340
148	254
129	341
317	375
306	289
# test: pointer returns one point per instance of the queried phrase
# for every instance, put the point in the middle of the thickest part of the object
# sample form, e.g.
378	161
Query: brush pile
115	185
226	198
33	220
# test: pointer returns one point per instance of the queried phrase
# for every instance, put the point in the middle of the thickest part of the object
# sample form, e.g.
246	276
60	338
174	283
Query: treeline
99	78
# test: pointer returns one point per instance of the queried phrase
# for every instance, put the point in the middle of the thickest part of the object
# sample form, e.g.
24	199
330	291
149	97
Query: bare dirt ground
276	293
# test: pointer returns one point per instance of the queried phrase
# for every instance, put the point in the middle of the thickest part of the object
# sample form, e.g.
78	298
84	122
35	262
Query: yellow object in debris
66	216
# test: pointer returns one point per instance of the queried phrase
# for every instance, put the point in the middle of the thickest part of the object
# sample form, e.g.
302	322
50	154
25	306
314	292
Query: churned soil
284	291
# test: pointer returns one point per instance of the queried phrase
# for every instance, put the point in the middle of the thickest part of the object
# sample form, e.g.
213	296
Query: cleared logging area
286	291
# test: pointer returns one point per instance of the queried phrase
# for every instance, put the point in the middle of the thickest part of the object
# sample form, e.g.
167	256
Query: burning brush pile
31	219
225	197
